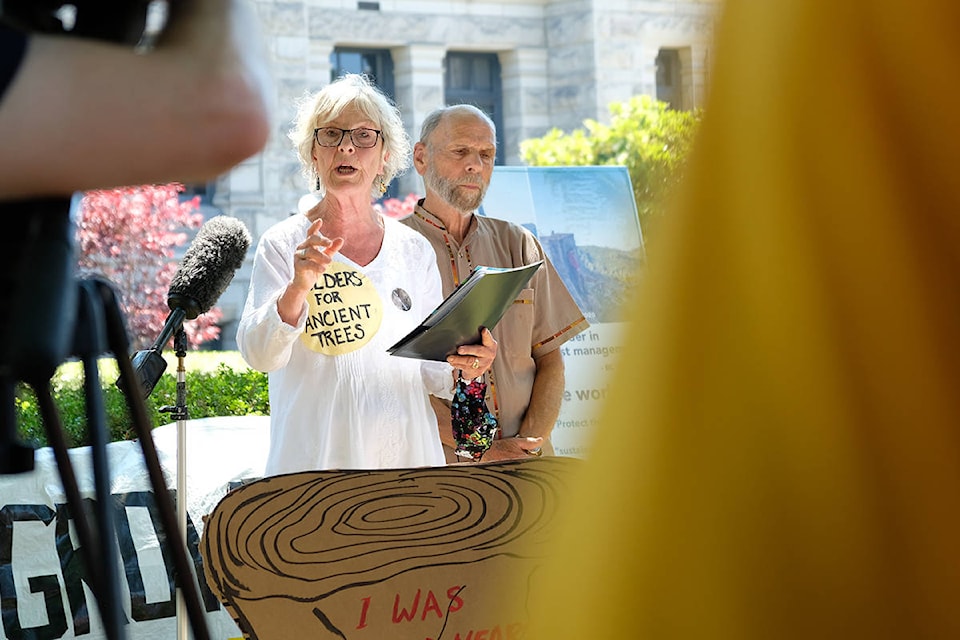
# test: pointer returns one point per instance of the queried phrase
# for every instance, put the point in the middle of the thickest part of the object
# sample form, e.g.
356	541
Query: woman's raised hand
313	256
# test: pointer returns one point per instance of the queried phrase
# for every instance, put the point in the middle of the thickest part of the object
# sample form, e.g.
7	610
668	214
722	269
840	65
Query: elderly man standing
455	156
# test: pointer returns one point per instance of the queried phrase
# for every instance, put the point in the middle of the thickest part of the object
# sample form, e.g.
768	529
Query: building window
206	191
668	78
376	64
474	78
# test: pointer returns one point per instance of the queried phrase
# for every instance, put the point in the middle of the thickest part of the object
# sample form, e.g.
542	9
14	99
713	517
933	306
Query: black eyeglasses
363	138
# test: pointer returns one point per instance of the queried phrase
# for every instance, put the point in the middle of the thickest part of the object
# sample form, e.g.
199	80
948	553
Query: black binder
479	301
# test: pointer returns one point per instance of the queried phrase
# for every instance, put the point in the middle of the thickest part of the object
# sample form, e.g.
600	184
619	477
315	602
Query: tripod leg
186	578
88	345
54	430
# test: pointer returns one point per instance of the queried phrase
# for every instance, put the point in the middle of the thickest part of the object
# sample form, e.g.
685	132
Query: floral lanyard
474	427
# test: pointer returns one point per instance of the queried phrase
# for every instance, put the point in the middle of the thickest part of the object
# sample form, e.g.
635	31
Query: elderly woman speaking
334	287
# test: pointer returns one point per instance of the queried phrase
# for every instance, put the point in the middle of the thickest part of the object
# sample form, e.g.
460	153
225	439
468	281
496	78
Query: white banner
43	591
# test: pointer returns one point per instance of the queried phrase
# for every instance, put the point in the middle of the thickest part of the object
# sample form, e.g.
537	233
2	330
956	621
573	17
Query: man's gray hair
436	116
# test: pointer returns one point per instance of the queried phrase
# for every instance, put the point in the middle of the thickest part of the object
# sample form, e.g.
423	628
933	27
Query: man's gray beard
447	190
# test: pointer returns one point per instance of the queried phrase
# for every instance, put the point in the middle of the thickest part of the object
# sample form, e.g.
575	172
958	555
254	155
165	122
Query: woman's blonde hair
351	90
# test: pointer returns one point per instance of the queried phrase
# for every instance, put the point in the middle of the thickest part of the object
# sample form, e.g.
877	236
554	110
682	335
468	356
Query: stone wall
562	61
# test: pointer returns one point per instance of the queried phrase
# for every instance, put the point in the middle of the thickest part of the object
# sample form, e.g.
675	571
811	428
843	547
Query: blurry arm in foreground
83	113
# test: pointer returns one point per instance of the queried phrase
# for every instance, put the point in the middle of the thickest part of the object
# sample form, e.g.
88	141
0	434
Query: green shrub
644	134
219	387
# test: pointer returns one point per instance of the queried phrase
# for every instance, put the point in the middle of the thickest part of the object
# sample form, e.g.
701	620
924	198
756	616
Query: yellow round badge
344	311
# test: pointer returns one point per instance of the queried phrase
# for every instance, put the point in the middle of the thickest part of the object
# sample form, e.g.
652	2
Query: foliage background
130	237
218	383
645	135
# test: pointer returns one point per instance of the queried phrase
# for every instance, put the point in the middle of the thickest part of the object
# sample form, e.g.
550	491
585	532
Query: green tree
644	135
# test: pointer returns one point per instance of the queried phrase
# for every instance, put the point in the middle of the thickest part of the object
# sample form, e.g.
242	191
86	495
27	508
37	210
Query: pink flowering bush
129	236
396	208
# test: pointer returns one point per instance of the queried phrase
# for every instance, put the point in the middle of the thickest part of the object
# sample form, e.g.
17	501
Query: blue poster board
586	219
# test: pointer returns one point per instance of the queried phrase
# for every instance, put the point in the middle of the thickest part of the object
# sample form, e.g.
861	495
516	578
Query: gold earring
318	182
382	185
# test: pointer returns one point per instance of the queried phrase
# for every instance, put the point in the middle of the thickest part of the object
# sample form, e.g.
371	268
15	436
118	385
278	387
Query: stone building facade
531	64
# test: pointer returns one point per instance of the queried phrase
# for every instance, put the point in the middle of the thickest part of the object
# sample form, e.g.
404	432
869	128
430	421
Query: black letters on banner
48	585
73	568
73	572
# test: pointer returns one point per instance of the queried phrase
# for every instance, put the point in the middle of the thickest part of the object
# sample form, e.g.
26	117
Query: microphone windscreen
208	265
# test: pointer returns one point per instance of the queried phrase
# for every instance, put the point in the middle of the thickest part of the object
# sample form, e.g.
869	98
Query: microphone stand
149	364
180	414
186	577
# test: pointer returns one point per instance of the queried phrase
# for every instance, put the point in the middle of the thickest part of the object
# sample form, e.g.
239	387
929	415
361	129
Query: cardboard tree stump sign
432	553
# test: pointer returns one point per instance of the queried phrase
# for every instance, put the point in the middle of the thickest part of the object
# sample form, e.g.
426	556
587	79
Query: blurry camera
123	22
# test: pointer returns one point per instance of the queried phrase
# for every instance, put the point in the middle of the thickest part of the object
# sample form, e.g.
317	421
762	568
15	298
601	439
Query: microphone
208	266
206	270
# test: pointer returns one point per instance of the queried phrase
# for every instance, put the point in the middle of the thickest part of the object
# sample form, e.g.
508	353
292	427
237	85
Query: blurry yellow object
780	456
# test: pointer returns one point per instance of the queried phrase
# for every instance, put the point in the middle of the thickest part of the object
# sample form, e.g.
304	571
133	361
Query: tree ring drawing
352	553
